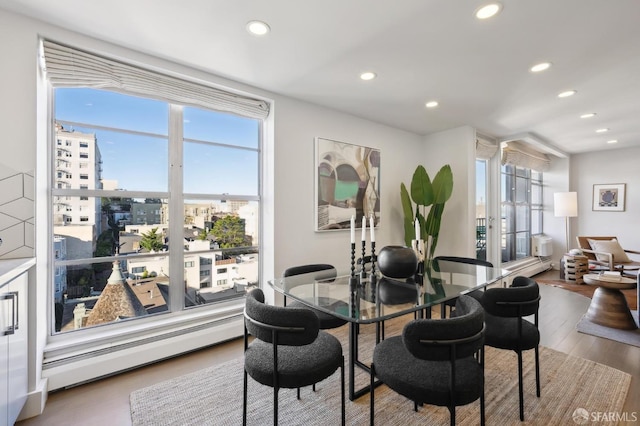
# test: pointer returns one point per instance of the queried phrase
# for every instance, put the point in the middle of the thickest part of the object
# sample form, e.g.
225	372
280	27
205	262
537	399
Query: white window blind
69	67
521	155
485	149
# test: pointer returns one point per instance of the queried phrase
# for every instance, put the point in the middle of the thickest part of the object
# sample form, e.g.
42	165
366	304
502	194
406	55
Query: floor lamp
565	204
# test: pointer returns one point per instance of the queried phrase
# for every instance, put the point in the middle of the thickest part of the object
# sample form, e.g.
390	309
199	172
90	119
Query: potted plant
426	193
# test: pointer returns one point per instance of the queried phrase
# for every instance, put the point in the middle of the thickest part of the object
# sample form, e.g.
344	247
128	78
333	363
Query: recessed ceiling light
489	10
367	75
258	28
431	104
567	94
612	141
603	130
588	115
540	67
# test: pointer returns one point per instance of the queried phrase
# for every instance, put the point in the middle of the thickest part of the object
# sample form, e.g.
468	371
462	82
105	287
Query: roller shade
69	67
485	149
521	155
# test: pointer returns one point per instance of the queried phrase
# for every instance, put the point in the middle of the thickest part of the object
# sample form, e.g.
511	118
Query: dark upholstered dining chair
322	271
436	361
463	260
289	350
505	309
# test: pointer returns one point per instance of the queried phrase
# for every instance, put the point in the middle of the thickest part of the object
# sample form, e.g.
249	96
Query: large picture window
155	203
521	211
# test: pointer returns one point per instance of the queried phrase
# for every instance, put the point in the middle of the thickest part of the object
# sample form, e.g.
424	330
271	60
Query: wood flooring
106	402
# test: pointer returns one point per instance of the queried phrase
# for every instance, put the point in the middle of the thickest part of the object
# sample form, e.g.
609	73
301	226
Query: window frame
128	328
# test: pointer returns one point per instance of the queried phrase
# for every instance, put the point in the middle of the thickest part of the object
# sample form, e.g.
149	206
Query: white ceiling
420	49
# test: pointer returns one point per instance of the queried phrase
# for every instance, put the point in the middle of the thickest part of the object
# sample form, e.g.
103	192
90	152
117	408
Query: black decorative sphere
397	262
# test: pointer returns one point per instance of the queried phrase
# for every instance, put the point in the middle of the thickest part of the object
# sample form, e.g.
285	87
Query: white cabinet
13	348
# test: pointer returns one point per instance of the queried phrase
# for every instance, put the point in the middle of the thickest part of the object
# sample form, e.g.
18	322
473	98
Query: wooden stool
575	266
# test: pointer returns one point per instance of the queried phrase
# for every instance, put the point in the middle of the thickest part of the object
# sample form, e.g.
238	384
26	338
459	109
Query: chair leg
520	386
275	406
244	400
313	387
482	407
537	372
371	393
344	417
452	415
299	393
443	311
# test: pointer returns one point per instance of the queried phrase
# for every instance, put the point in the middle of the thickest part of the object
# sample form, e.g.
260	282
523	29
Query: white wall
612	166
455	147
297	124
556	179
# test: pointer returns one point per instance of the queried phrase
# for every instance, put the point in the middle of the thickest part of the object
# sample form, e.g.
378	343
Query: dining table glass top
376	298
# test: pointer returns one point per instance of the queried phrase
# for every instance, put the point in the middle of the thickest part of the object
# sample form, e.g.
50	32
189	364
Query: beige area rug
214	396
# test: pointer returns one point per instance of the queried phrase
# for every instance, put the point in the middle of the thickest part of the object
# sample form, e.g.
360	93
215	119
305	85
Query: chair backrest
292	326
324	270
432	339
522	298
583	243
466	260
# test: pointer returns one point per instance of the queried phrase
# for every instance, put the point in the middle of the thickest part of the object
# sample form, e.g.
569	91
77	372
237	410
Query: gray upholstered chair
322	271
506	328
289	350
436	361
462	260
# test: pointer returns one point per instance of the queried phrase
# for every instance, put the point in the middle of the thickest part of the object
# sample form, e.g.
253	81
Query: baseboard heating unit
526	267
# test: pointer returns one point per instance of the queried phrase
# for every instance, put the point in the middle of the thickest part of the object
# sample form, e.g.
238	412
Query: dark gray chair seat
410	376
502	333
298	366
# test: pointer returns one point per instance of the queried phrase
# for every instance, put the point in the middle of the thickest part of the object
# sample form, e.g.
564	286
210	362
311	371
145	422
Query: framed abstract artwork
609	197
347	183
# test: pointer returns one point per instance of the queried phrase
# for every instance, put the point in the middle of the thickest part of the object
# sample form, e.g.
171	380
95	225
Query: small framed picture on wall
609	197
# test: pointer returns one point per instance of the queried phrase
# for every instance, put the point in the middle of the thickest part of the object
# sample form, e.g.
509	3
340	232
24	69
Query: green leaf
443	185
433	226
421	187
407	210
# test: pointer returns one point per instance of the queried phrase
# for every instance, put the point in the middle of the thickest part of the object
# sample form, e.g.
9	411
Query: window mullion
176	209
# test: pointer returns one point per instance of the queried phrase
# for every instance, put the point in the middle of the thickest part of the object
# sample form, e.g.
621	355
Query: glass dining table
374	299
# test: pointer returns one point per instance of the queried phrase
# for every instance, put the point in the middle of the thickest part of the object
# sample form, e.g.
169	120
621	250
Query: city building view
219	242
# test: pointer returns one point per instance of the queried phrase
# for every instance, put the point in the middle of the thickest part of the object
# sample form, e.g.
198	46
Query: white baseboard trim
36	400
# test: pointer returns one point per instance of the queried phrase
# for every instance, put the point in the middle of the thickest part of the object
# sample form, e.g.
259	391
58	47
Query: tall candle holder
373	259
353	281
363	271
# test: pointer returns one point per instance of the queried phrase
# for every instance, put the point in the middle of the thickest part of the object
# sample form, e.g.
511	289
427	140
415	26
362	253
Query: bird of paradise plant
426	193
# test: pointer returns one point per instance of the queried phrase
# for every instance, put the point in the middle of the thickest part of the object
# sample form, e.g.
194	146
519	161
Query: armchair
606	252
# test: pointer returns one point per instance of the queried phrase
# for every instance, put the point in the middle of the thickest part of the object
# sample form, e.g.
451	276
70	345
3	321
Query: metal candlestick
352	279
373	258
363	272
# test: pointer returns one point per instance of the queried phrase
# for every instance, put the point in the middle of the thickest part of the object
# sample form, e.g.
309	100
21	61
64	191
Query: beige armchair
606	252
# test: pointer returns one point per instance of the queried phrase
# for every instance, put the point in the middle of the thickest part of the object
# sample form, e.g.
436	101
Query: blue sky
141	162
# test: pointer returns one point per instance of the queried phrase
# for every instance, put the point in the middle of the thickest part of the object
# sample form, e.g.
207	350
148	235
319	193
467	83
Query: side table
608	306
575	267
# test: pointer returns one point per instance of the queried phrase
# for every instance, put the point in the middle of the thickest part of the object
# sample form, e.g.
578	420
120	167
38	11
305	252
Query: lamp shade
565	204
